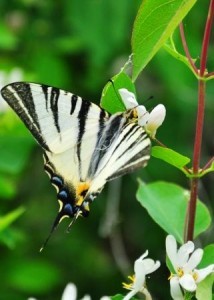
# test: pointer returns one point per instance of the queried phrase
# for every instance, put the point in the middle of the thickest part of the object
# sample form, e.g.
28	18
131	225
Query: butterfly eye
63	196
57	181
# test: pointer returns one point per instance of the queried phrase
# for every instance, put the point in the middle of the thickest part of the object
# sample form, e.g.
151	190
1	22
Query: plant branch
199	125
196	160
206	38
186	50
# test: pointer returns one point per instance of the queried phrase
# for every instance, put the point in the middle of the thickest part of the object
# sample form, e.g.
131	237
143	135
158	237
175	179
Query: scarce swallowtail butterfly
84	146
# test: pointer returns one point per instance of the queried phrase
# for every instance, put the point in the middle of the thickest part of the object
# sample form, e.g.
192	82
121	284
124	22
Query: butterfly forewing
56	118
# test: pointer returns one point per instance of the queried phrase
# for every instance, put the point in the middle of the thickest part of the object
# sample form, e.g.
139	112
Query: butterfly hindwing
123	147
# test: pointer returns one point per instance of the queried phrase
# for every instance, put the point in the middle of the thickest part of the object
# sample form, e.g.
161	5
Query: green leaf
167	203
208	257
170	156
154	24
9	218
204	289
170	48
110	99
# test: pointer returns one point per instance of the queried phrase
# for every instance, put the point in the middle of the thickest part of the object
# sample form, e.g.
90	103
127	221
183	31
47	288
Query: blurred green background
78	46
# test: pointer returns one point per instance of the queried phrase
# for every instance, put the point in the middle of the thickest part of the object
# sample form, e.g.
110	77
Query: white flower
142	267
151	121
184	264
70	293
6	78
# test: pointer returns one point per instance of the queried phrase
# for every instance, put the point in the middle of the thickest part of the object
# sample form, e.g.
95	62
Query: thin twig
186	49
207	164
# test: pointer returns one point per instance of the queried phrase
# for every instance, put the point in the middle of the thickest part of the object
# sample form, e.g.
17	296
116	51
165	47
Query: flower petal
145	254
105	298
175	289
149	265
86	297
143	115
128	98
171	250
156	118
70	292
130	294
194	260
203	273
184	252
188	283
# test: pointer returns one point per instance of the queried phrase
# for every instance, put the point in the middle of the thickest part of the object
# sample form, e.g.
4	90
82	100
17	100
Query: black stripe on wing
82	116
19	96
137	161
107	134
74	99
128	150
54	97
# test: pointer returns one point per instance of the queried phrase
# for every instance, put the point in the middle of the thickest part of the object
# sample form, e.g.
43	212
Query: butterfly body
84	146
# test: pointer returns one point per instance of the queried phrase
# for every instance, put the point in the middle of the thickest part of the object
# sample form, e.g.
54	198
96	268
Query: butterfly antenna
148	99
115	90
74	220
55	224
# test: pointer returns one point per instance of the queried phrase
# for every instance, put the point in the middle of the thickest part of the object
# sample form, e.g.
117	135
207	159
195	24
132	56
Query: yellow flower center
180	272
195	276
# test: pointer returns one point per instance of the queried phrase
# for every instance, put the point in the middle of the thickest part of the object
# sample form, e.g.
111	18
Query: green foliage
167	203
111	100
15	146
169	46
78	46
117	297
204	289
154	24
7	187
208	257
170	156
8	38
21	276
10	217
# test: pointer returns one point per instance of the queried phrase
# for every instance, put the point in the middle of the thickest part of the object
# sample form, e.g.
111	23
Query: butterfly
84	146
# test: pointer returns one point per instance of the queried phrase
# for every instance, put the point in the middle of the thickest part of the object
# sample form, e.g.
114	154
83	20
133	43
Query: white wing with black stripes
84	146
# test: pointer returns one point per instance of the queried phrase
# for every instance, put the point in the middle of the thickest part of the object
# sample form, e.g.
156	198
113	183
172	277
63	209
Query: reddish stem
186	50
196	160
206	39
191	210
199	125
